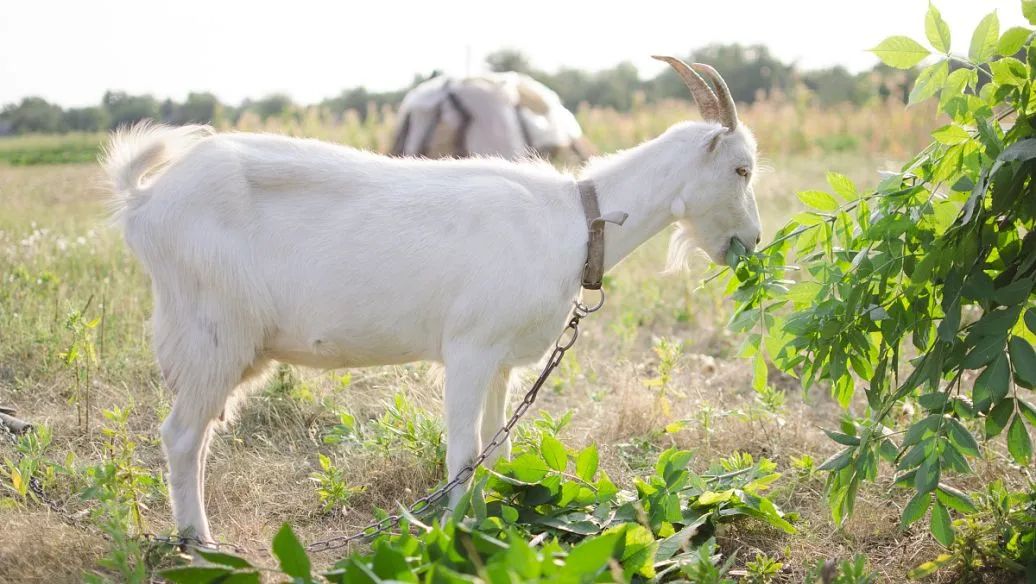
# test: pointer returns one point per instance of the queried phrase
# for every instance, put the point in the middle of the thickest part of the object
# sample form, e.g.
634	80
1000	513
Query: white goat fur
263	248
494	101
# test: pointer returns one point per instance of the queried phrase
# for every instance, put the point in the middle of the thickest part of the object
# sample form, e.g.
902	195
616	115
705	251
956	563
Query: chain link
564	342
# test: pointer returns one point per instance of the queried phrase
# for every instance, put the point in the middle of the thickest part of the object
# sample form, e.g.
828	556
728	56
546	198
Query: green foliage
333	489
81	359
551	515
32	464
922	289
853	571
120	487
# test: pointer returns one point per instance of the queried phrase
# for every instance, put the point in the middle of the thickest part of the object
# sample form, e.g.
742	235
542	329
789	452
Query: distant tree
85	119
273	105
124	109
750	72
508	60
836	85
33	114
200	108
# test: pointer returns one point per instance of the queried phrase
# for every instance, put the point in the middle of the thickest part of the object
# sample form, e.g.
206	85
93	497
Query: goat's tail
143	149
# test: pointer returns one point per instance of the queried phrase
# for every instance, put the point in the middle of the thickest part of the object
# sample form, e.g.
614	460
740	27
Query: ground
58	254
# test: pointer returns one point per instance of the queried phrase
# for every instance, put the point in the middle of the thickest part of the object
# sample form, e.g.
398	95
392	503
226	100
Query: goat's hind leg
203	385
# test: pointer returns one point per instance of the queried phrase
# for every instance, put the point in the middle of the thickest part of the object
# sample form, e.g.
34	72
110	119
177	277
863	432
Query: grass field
57	256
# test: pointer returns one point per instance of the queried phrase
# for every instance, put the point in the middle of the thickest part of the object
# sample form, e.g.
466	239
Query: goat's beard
681	245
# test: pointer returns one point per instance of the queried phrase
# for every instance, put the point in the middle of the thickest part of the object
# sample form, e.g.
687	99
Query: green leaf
942	528
900	52
391	564
929	82
759	372
839	460
818	200
992	384
928	568
983	40
1014	293
709	498
195	574
1029	10
915	509
1013	40
224	559
936	29
927	476
962	437
843	439
997	418
553	452
1023	361
983	351
638	555
843	186
586	463
591	556
291	555
1018	442
951	134
1030	315
955	499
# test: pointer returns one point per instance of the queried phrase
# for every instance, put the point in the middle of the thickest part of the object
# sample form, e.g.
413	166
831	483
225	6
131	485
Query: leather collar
593	269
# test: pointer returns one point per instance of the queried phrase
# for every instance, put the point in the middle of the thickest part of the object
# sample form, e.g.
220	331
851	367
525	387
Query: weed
332	487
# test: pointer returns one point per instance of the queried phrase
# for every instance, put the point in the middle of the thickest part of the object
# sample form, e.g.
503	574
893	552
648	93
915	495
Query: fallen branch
13	424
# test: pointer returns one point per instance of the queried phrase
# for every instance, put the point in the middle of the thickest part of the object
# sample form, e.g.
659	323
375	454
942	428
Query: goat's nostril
758	239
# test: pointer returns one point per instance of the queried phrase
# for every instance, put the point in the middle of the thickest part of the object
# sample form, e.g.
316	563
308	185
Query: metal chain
564	342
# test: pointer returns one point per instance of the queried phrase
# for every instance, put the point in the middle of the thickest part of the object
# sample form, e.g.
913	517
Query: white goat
265	248
498	114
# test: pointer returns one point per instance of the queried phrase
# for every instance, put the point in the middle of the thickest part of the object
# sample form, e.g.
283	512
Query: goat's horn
727	109
700	91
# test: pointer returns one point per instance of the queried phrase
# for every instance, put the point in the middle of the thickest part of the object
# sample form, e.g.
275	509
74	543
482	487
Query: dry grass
55	252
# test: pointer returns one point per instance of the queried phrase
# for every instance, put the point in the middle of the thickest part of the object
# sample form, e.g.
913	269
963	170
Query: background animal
497	114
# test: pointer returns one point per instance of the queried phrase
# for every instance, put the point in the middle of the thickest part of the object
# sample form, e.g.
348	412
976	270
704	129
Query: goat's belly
327	352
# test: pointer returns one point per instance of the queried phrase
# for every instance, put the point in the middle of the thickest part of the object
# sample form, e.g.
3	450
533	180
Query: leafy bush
921	290
550	515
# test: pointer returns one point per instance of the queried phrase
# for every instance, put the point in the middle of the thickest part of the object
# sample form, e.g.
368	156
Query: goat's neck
643	182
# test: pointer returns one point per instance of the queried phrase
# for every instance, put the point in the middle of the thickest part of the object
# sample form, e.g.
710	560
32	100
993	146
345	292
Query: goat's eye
743	171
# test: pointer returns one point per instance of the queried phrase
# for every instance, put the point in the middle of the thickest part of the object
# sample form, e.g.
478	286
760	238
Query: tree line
752	73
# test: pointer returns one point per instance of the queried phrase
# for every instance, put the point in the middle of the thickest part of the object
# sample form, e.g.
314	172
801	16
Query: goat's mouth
736	250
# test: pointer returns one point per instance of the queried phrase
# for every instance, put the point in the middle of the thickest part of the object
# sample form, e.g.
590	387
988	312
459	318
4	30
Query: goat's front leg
469	373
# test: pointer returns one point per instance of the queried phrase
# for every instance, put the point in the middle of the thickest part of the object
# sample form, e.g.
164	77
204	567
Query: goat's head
717	203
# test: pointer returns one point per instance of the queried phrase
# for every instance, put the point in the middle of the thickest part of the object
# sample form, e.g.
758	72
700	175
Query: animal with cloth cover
264	248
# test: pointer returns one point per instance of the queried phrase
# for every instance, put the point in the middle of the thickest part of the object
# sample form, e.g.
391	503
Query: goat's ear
713	138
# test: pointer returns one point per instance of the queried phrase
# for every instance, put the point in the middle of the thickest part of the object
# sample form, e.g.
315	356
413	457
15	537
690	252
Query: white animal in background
265	248
509	115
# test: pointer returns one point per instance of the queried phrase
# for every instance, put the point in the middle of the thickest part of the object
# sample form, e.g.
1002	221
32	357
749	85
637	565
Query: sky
71	51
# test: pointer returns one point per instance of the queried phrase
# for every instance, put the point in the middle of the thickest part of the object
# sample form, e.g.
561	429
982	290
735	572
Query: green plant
407	427
32	464
119	486
668	352
853	571
119	483
922	288
81	359
584	527
763	569
333	489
